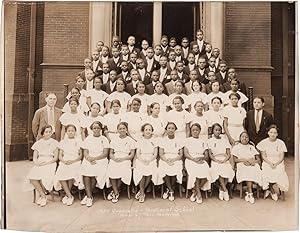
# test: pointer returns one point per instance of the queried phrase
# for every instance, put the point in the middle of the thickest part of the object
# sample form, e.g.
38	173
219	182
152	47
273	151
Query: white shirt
164	48
217	61
95	64
212	69
196	58
124	74
149	64
178	58
134	83
200	44
201	71
133	65
48	114
125	58
116	60
223	74
156	57
259	116
172	64
89	84
242	100
191	66
105	78
185	51
142	73
163	72
130	47
208	55
104	59
112	85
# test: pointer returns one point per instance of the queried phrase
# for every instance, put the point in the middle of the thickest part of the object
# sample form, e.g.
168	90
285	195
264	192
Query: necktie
51	117
257	121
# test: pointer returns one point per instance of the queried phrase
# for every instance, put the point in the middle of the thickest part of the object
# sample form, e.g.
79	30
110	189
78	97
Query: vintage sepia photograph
150	116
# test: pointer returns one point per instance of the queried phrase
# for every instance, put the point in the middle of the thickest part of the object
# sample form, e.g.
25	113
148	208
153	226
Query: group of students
133	128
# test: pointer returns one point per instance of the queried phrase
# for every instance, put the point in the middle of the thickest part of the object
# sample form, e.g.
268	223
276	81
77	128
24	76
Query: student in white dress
94	115
170	164
247	160
215	87
112	119
120	95
82	106
200	118
122	150
196	95
70	156
79	84
275	178
96	95
135	119
180	117
73	117
215	114
157	121
196	163
142	96
41	175
234	84
94	165
234	116
159	97
179	91
221	168
145	168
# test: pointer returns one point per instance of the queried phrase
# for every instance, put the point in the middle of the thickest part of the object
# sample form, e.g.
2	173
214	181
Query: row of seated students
184	96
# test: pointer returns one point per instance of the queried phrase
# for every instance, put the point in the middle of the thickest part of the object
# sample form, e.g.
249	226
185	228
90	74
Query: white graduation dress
235	116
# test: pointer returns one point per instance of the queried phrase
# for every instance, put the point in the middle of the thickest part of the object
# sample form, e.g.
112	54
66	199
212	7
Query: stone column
157	22
100	23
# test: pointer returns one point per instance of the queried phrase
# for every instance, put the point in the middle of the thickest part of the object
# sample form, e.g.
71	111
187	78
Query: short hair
197	125
44	128
198	102
218	98
179	81
70	126
215	81
171	123
140	83
123	123
122	80
116	101
215	125
235	79
164	37
198	83
153	104
273	126
80	77
72	99
144	126
50	93
98	123
199	30
96	104
184	38
150	48
77	89
259	97
124	45
172	38
137	100
178	98
222	62
235	94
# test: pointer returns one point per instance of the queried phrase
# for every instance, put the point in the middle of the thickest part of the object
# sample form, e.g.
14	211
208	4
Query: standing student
233	119
163	70
145	46
144	74
170	86
87	62
199	41
82	106
170	163
191	64
73	117
132	62
196	95
273	170
257	121
125	52
124	72
80	84
120	95
105	75
150	63
202	75
221	169
110	86
180	117
115	62
222	75
248	165
96	62
131	87
211	77
179	91
142	96
215	92
181	75
157	120
67	173
90	75
145	164
193	76
196	52
234	84
196	163
214	114
208	54
172	60
154	79
41	175
47	115
159	97
131	45
113	118
94	165
104	54
178	53
185	47
164	45
122	150
198	117
157	52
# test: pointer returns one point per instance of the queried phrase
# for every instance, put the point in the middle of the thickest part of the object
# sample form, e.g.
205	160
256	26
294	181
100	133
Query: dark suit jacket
220	78
147	78
136	51
202	78
266	121
127	78
166	53
130	90
185	78
149	89
201	50
40	120
106	88
165	80
169	66
130	66
141	55
98	68
155	65
207	70
182	54
169	87
115	66
186	69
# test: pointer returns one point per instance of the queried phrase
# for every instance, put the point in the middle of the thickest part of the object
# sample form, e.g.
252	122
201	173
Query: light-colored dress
162	99
71	150
235	116
89	120
247	173
135	121
194	97
122	148
171	150
158	124
196	148
242	100
144	102
212	95
112	120
203	122
123	97
95	147
97	96
45	173
180	119
82	107
277	175
75	119
184	97
146	147
218	148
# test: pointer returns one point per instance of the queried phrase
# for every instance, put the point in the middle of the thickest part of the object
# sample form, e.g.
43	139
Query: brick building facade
45	44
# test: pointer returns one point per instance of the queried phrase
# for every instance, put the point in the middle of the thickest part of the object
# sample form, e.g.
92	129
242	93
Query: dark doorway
137	20
180	20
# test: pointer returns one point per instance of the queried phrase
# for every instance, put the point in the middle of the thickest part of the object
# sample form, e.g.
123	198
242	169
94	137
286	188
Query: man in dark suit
125	75
202	75
150	87
132	62
131	45
150	63
105	75
110	86
115	62
96	63
211	65
144	74
163	71
191	64
131	88
145	46
199	41
216	53
165	49
181	76
257	121
208	53
47	115
222	75
185	48
87	66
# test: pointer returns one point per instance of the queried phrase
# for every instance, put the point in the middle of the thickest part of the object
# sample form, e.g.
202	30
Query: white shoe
83	201
193	197
199	200
251	198
89	202
247	197
137	195
267	193
166	194
115	198
171	197
38	201
64	200
274	196
70	200
221	195
226	196
43	202
110	196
